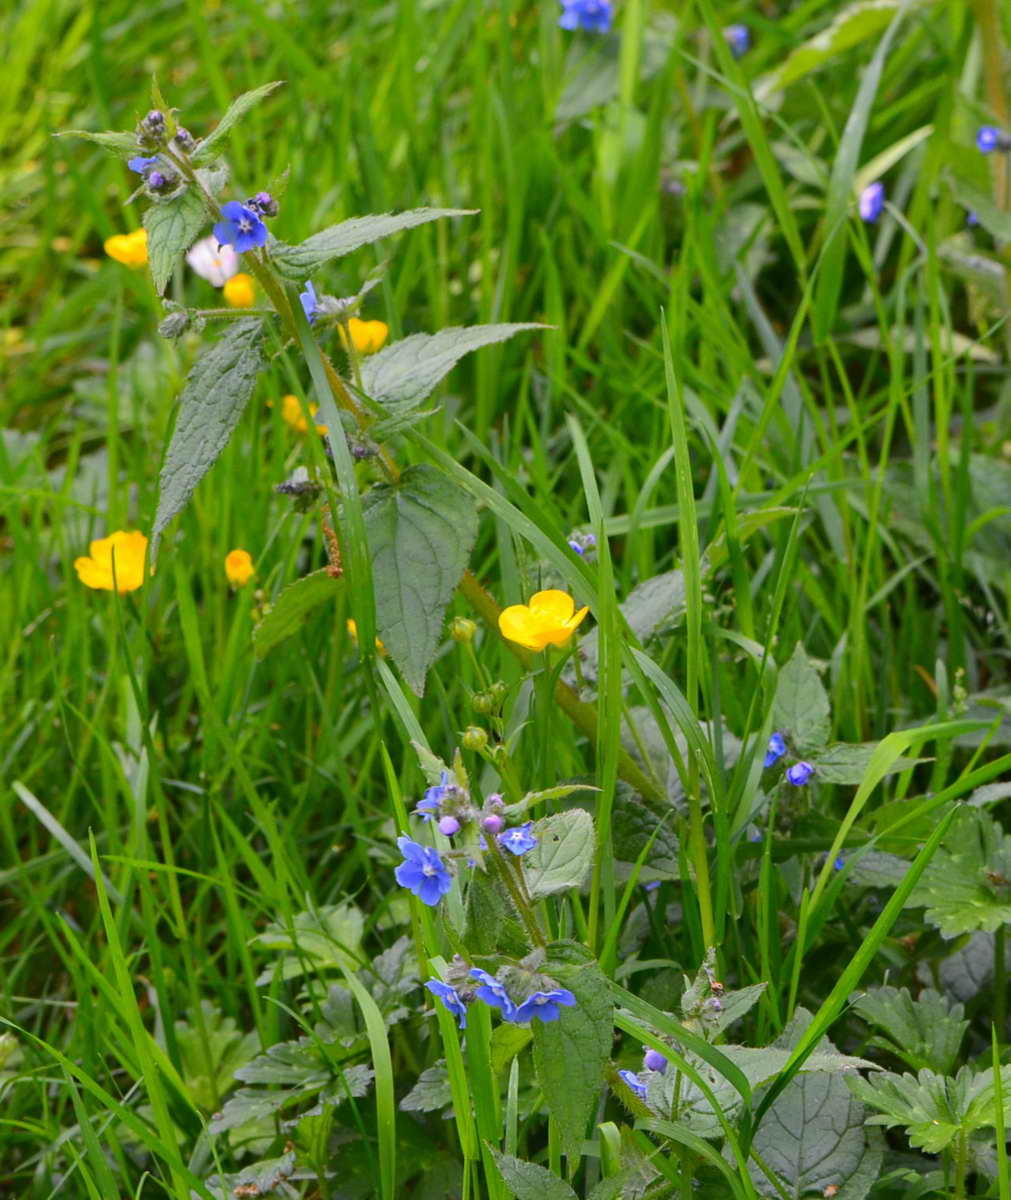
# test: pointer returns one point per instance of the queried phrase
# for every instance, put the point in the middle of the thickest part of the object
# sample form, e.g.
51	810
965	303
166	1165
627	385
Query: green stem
521	904
1000	980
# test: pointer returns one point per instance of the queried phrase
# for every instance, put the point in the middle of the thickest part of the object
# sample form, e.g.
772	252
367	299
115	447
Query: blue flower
492	992
422	872
652	885
139	164
309	305
988	139
543	1006
738	38
450	997
241	228
632	1081
840	862
653	1060
519	840
592	15
871	202
776	750
799	773
971	219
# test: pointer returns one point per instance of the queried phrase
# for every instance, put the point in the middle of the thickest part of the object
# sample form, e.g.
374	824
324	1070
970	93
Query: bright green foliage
236	111
288	612
924	1032
172	225
563	854
801	708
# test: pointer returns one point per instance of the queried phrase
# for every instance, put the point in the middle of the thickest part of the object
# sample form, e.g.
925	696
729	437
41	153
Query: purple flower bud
155	118
653	1060
988	139
872	201
493	824
265	202
495	801
799	773
155	181
448	826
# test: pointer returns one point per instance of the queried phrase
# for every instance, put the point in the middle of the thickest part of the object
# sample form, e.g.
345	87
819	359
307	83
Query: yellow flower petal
548	620
366	336
238	567
125	549
291	411
240	291
128	248
552	605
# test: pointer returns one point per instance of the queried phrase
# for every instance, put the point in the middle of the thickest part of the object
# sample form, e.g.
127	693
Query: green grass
806	415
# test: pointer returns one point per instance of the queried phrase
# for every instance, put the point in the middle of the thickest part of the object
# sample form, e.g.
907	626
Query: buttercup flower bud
475	738
462	630
483	703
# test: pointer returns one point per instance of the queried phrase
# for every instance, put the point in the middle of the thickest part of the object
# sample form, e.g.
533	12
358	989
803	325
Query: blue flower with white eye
543	1006
591	15
493	992
775	751
422	872
519	840
799	773
450	997
634	1083
309	307
139	164
429	804
738	39
988	139
871	202
241	227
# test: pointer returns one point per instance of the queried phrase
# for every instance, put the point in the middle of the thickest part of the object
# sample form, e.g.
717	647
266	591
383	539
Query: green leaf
800	710
209	146
299	1064
327	937
570	1054
122	144
528	1181
258	1179
563	854
993	219
211	1050
216	392
172	226
847	763
967	885
431	1093
299	262
924	1032
653	607
420	533
288	612
632	827
507	1040
855	24
403	375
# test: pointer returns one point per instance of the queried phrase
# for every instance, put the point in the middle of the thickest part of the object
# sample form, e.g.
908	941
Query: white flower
217	264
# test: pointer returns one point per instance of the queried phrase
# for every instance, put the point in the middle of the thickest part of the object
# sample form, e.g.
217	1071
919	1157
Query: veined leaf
299	262
216	392
122	144
210	145
924	1032
801	708
528	1181
292	606
403	375
172	226
563	854
420	532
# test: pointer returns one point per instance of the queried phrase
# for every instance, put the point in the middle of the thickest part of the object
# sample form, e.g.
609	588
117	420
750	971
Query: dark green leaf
924	1032
563	854
288	612
299	262
258	1179
431	1093
172	226
211	144
846	763
632	827
403	375
327	937
299	1064
217	391
420	534
528	1181
212	1049
800	710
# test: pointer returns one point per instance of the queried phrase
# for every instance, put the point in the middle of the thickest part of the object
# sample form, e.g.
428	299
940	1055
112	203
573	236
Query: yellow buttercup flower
366	336
548	620
128	550
291	412
238	567
353	631
128	248
240	291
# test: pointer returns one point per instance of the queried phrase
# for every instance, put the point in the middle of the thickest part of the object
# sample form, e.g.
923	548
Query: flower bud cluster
451	807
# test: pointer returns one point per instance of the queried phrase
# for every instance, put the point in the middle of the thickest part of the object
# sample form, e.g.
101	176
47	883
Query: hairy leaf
172	225
801	709
420	533
563	854
288	612
121	143
299	262
847	763
403	375
210	145
924	1032
216	392
431	1093
528	1181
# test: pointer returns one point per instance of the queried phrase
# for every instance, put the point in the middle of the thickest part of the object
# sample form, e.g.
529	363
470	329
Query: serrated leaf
258	1179
247	1106
420	532
209	146
801	709
847	762
172	226
216	392
211	1050
563	854
288	612
403	375
924	1032
967	884
299	1064
431	1093
123	144
329	937
570	1054
855	24
528	1181
299	262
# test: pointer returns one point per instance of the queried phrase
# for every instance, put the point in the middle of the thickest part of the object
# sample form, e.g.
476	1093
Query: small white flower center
429	870
540	999
245	225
